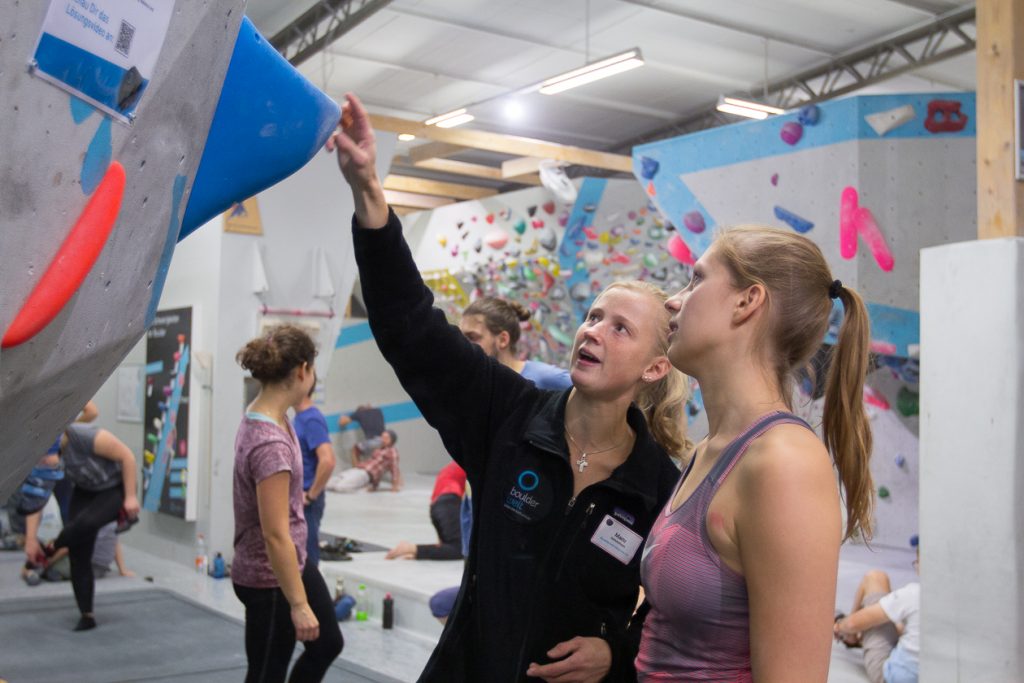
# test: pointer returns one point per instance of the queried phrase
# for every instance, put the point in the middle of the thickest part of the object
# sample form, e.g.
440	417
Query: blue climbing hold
799	224
809	115
269	122
648	168
914	541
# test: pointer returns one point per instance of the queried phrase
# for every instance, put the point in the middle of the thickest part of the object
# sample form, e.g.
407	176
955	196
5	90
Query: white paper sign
104	51
130	384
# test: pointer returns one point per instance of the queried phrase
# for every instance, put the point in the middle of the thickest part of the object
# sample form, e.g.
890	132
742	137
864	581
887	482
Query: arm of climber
110	447
788	531
459	390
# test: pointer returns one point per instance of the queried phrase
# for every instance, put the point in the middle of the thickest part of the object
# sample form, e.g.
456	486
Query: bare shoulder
787	455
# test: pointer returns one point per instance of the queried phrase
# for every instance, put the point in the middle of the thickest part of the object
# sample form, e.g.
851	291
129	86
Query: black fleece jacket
535	575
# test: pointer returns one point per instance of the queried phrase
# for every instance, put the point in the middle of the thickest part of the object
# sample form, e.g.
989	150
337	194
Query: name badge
616	539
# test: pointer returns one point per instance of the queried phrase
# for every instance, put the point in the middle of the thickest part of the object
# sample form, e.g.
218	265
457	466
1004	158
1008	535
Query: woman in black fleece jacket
565	485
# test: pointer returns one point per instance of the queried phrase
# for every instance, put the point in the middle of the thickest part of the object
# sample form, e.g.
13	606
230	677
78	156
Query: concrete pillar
972	462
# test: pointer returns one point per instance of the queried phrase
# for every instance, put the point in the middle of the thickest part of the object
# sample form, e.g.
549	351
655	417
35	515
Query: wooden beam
472	170
1000	57
415	201
520	166
433	150
404	183
506	144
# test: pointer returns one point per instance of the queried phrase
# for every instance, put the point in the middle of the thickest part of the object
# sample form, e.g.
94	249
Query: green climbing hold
883	492
907	402
520	227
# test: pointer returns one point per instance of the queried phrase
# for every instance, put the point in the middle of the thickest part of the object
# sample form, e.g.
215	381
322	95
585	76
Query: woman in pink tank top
740	568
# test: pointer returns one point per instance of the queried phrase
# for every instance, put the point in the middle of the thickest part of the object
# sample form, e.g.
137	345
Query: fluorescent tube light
594	71
443	117
406	137
455	121
748	108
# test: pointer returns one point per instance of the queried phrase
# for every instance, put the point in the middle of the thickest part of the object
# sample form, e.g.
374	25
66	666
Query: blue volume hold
269	122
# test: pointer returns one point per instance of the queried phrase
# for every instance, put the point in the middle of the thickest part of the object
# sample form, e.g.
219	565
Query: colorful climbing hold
520	227
907	402
809	115
791	132
73	260
649	168
883	492
775	179
944	116
901	461
694	222
496	239
799	224
679	250
549	208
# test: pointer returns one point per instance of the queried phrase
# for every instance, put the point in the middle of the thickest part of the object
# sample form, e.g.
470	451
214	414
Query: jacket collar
639	475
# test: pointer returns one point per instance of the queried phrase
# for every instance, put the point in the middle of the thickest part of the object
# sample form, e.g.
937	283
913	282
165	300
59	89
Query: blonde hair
662	402
799	288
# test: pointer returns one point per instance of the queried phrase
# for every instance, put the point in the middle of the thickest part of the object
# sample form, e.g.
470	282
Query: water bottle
201	559
362	613
218	566
388	618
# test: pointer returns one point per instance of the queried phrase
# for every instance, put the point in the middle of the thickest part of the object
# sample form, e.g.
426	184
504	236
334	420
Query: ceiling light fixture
406	137
747	108
594	71
450	120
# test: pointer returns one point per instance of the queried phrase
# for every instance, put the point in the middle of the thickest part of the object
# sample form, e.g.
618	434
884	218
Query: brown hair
662	402
799	286
272	357
500	315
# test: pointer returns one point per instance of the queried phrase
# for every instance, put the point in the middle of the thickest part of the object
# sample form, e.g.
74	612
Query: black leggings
444	515
88	512
270	633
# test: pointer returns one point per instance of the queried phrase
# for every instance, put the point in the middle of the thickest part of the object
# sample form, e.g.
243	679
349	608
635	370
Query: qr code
124	38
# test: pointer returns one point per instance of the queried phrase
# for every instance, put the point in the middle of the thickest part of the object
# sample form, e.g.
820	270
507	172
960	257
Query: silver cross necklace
581	462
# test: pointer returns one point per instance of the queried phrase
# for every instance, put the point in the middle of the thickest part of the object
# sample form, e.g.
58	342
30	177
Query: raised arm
112	448
460	391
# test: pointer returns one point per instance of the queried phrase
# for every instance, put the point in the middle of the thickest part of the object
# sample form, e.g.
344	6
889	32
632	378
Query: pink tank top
698	627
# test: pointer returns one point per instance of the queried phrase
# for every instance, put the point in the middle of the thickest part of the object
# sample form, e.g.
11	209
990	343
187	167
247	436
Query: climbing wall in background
872	180
113	149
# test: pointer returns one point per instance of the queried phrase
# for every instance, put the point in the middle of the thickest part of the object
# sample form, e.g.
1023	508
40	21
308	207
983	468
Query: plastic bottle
362	613
202	561
388	618
339	588
218	566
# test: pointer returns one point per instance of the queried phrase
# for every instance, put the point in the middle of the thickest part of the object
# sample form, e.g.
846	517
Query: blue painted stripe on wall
841	121
353	334
395	412
589	195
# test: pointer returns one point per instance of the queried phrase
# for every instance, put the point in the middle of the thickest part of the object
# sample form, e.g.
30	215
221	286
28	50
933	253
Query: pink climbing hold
590	232
791	133
496	239
883	348
694	222
679	251
854	221
872	397
775	179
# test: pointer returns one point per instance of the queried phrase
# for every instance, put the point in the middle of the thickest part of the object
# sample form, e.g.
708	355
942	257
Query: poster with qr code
103	51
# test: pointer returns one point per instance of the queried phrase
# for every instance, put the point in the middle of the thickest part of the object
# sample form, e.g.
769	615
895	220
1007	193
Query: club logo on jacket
528	497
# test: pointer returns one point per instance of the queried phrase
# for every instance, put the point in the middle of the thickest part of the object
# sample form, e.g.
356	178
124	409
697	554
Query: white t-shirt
903	606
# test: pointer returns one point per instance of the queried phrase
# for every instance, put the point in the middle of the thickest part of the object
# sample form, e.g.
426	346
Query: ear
658	368
503	339
748	302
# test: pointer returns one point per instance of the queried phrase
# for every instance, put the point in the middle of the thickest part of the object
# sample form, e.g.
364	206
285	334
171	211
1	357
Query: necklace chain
581	461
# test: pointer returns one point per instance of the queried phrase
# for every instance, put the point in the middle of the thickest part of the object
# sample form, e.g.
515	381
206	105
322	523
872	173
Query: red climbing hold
73	261
944	116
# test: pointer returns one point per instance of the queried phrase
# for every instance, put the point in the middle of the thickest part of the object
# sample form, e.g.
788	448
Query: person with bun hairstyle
494	325
740	569
285	596
565	484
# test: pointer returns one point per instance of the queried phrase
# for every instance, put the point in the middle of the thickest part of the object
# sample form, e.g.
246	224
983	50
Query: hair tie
834	289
